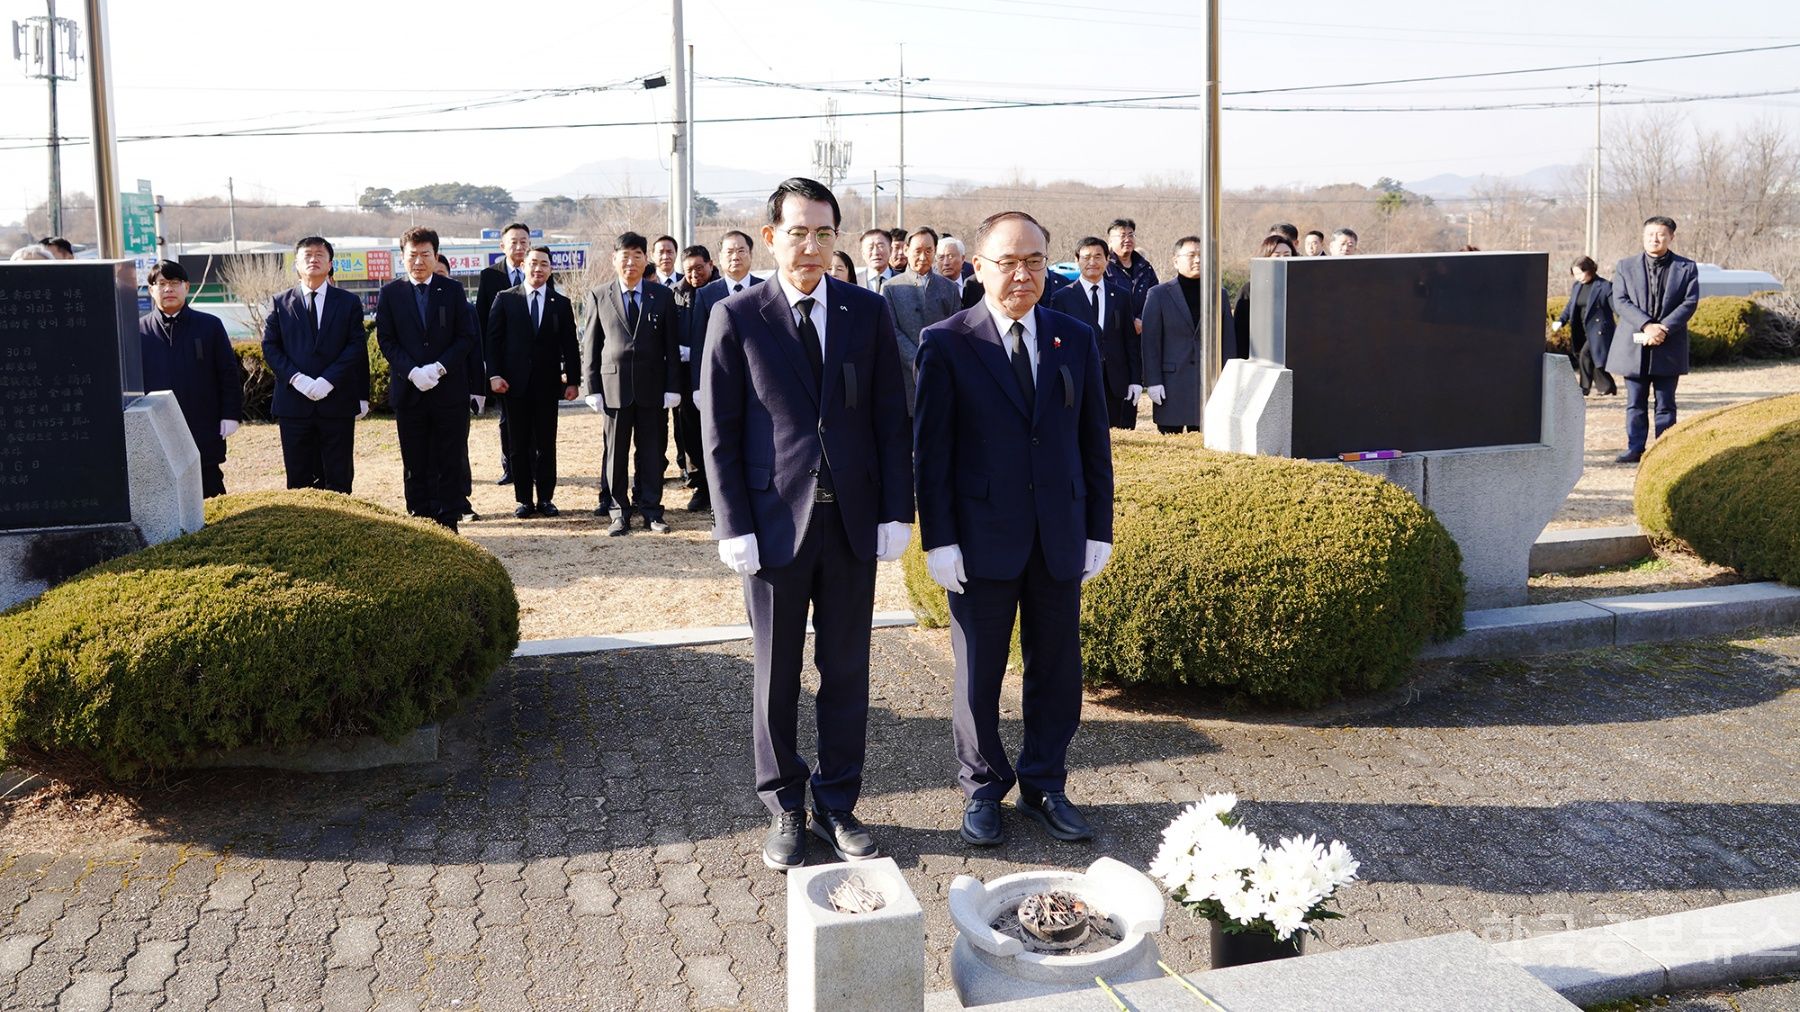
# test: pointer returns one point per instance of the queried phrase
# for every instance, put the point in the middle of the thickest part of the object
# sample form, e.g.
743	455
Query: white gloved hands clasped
945	566
891	539
422	377
1098	553
740	554
319	389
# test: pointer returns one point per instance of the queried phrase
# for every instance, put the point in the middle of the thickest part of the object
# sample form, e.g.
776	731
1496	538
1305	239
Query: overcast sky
228	65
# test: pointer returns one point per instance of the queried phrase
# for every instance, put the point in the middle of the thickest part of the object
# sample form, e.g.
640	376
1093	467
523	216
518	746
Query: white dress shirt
733	285
1087	287
794	295
514	275
319	302
1003	323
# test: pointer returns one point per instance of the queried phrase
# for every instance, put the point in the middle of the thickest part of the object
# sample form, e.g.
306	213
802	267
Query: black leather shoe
523	510
619	527
785	846
1628	457
981	823
549	509
470	516
849	838
504	479
701	501
1053	811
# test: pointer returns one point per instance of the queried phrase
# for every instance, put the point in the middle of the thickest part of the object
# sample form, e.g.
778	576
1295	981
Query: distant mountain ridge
1546	179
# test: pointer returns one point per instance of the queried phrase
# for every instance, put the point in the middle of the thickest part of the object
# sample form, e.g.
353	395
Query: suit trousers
434	448
505	439
212	479
1121	413
1637	408
687	439
840	588
531	457
981	625
316	452
645	429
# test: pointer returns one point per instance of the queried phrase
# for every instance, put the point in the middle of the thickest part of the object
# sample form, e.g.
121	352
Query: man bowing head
1014	471
804	427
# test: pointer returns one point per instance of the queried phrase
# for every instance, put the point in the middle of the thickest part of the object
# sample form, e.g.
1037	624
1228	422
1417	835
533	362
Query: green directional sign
137	215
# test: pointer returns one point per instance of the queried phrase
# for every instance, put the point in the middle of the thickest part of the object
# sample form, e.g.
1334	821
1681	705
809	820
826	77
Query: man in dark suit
186	351
633	378
951	259
1171	349
314	342
423	326
506	272
697	272
535	364
1014	471
800	406
734	278
1654	295
664	256
1128	268
876	247
1106	307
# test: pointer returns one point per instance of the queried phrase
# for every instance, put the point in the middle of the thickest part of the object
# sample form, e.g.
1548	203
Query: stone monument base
33	561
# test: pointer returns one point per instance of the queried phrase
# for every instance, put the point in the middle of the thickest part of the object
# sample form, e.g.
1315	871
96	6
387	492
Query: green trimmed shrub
378	372
290	617
1555	342
1720	328
259	380
1727	486
1259	579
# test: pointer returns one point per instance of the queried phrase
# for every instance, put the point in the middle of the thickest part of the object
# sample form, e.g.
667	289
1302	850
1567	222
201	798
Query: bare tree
255	281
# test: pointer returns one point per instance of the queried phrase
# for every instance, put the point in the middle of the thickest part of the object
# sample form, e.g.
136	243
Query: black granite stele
1430	351
69	364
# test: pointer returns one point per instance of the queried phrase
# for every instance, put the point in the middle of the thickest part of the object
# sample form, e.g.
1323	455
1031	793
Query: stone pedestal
164	464
1251	409
871	962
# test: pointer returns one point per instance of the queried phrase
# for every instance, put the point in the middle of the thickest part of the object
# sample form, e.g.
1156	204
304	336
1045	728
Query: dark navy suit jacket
337	349
447	336
993	479
1121	349
1597	322
710	294
1631	300
195	361
768	428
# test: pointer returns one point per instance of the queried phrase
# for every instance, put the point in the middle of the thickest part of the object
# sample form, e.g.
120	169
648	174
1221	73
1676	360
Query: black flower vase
1245	947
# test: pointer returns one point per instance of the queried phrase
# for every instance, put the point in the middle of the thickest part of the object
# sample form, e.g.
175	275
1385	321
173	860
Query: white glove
1098	552
1157	393
227	428
479	401
364	413
671	401
687	353
422	377
593	402
946	568
319	389
300	381
1132	393
891	539
740	554
437	370
1558	325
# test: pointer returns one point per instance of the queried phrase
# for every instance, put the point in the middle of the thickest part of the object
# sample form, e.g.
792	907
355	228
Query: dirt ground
573	580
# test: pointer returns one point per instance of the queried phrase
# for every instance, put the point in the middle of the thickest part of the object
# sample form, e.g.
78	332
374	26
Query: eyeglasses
821	236
1011	265
1089	258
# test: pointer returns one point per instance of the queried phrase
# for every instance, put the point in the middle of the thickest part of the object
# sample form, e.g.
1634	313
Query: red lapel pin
1056	342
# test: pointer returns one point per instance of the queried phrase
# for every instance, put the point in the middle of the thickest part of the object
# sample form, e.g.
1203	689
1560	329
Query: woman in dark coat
1273	245
1589	318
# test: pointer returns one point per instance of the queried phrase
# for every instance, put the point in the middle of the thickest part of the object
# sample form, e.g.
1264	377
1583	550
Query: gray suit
1172	353
918	301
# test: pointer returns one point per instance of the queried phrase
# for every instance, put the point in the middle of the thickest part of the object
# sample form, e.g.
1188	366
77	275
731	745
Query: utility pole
1211	351
48	48
1593	194
687	191
902	81
108	222
874	196
681	180
162	242
231	210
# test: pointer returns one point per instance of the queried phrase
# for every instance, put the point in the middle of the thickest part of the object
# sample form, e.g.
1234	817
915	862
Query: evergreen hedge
290	617
1727	485
1257	579
1723	328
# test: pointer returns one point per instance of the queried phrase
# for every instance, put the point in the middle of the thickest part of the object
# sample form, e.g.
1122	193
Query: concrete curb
1696	948
698	636
1587	547
1610	621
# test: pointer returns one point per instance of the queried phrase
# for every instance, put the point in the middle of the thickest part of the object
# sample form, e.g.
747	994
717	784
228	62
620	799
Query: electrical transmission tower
831	153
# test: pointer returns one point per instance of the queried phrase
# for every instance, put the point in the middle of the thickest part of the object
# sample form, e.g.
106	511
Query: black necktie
809	342
1021	363
537	316
312	310
422	295
736	287
517	278
1094	304
631	310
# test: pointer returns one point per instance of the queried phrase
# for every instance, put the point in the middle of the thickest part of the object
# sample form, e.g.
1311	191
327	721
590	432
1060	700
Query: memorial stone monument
1438	356
90	466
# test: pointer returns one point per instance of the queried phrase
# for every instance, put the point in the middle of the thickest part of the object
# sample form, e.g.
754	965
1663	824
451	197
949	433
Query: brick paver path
588	839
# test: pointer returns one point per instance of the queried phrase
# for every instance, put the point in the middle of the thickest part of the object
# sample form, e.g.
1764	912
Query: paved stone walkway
588	840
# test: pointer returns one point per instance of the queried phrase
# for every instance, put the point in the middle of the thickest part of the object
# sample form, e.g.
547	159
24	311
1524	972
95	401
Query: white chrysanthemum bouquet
1220	871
